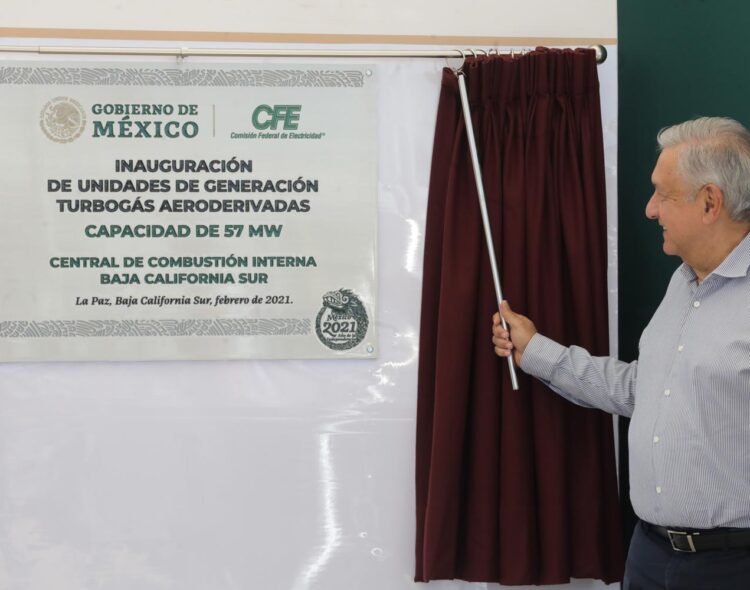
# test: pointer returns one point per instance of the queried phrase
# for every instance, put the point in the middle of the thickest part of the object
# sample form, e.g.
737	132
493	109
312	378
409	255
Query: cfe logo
269	116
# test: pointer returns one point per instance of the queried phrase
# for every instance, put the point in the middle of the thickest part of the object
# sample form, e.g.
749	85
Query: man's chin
668	249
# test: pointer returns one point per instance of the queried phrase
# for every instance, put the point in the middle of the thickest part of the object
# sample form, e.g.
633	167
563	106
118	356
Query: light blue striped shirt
688	395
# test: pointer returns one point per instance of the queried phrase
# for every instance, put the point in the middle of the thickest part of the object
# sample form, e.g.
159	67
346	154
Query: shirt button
656	439
680	348
696	303
658	489
667	391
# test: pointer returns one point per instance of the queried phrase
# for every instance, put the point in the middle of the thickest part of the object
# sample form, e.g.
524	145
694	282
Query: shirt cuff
541	356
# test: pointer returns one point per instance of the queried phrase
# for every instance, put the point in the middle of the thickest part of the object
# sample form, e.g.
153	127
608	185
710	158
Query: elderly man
688	394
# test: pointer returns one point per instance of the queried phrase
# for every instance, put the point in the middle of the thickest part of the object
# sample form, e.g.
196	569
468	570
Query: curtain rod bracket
601	53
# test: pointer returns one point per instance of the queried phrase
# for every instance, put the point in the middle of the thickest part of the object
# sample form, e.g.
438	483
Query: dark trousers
652	564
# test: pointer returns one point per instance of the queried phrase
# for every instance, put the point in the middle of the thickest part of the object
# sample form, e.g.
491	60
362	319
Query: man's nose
652	210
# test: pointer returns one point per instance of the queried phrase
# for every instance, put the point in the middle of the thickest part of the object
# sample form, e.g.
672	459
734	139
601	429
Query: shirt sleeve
592	382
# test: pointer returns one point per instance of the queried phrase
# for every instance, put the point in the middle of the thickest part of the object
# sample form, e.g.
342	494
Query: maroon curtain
515	487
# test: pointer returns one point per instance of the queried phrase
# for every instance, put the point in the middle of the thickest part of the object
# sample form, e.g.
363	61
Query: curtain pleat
515	487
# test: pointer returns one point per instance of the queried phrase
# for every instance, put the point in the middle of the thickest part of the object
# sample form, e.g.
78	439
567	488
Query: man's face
680	219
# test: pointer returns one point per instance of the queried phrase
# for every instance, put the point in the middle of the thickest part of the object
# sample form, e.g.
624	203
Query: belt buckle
678	535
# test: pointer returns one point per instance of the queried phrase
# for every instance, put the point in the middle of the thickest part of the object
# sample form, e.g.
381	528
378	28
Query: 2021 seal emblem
62	119
342	322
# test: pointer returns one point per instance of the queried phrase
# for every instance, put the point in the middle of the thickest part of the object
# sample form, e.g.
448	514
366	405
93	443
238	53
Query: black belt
691	540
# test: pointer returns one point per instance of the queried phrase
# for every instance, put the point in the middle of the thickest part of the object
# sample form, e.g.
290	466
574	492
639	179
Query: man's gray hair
714	150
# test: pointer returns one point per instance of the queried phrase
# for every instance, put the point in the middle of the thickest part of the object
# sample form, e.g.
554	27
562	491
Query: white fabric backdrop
244	474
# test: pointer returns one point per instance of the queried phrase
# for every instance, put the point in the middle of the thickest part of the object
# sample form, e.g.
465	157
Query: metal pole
485	217
183	52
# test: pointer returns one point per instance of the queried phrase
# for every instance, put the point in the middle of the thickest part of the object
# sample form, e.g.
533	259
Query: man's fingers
499	332
517	326
502	340
508	314
502	351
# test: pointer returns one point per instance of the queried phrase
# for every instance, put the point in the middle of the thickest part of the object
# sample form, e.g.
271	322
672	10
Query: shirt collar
738	261
736	264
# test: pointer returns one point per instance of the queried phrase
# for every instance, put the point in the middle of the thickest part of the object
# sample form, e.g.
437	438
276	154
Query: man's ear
713	202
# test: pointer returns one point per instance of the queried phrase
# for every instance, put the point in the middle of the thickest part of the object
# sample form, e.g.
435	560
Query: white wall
243	475
495	18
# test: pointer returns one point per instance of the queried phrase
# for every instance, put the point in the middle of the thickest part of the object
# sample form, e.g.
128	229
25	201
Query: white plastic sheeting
243	475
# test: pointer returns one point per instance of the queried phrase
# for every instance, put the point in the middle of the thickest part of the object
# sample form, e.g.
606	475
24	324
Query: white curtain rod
182	52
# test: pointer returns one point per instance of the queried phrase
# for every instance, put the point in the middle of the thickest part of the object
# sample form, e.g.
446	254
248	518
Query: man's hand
521	331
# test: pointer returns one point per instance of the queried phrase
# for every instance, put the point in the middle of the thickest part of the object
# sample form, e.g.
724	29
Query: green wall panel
678	59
